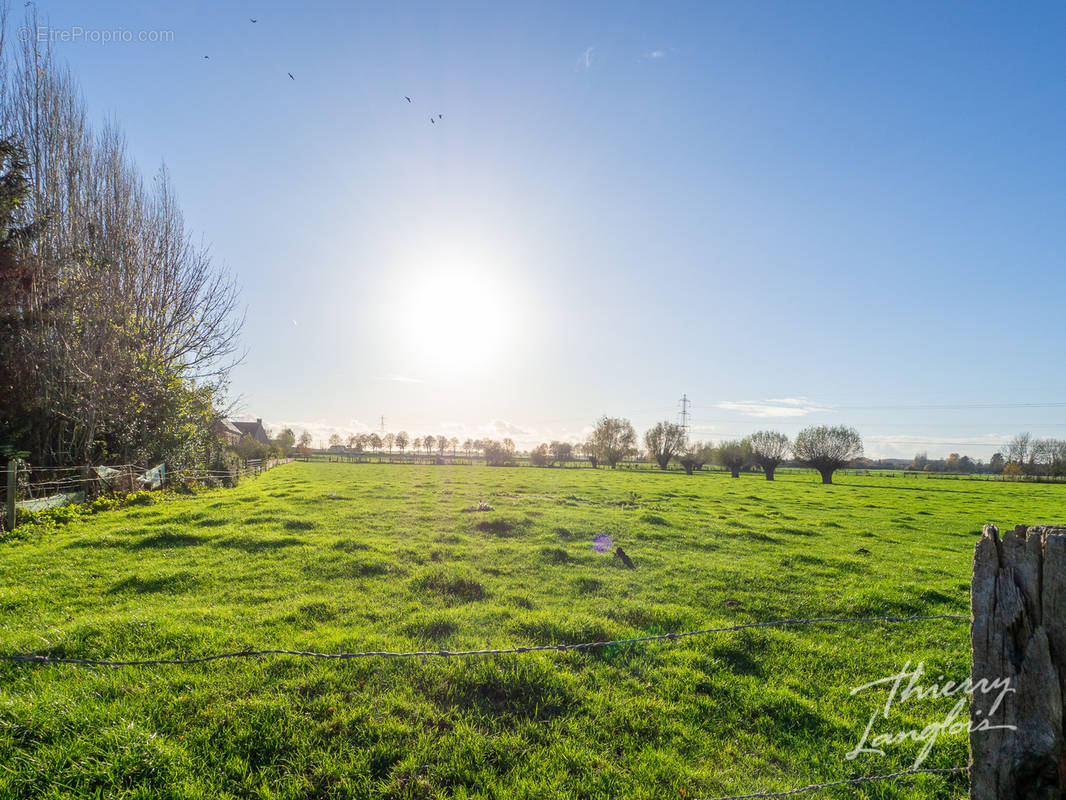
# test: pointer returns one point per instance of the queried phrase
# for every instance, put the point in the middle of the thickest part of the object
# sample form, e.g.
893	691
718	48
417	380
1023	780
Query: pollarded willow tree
117	332
612	440
827	449
664	441
734	455
768	450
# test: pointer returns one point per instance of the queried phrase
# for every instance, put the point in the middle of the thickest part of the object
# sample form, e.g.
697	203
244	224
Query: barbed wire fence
43	660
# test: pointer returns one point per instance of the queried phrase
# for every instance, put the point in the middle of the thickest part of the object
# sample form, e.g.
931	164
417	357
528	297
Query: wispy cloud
905	445
505	428
773	407
657	54
319	429
399	378
917	440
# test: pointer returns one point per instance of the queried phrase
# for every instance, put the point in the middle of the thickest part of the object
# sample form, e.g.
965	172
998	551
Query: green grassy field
335	557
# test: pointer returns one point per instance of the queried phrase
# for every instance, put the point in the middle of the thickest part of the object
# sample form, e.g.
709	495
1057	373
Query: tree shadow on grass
175	583
214	522
905	488
251	545
167	539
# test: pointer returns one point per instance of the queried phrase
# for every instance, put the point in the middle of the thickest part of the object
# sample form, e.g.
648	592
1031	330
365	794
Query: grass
337	557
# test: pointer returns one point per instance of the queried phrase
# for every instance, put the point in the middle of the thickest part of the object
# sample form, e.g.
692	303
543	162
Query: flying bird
432	121
290	75
440	116
207	56
252	20
408	99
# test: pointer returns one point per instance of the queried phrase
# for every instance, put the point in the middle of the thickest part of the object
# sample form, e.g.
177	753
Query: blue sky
795	213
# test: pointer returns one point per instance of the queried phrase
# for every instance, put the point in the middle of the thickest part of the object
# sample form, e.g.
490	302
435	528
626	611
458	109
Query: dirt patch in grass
454	586
523	688
499	527
555	555
588	585
434	628
654	519
309	614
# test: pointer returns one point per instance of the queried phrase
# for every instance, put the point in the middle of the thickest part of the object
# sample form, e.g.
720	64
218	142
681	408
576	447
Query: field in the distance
335	557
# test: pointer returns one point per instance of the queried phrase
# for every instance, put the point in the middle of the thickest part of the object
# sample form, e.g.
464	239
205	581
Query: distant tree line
612	441
1024	456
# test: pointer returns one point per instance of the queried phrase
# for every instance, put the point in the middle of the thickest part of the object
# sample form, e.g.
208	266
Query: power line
904	406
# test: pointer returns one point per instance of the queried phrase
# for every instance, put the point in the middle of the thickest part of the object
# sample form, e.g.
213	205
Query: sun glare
456	320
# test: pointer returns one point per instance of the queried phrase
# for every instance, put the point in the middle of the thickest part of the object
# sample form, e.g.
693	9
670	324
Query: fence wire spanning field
517	650
583	646
815	787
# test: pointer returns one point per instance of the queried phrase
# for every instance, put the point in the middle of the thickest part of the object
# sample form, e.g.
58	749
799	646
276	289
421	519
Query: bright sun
456	318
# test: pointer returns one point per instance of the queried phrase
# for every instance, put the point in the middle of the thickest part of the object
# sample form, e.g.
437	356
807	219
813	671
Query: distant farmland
341	557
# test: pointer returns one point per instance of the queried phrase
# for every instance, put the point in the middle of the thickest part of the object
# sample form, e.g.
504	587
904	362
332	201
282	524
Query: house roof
253	429
226	426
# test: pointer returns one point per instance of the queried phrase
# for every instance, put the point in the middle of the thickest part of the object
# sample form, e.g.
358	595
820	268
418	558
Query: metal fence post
12	492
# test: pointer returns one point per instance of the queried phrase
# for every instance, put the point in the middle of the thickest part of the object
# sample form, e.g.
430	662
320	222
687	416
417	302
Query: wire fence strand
34	658
814	787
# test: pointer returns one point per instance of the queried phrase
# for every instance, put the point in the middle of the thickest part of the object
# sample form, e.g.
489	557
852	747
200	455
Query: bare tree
827	449
125	332
498	453
768	450
612	440
560	452
1019	451
539	456
664	441
402	440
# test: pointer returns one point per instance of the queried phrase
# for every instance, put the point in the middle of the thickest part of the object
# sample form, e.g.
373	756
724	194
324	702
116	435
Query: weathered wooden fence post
1018	633
12	492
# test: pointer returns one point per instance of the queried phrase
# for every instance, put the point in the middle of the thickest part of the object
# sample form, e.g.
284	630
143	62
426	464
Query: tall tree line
117	332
